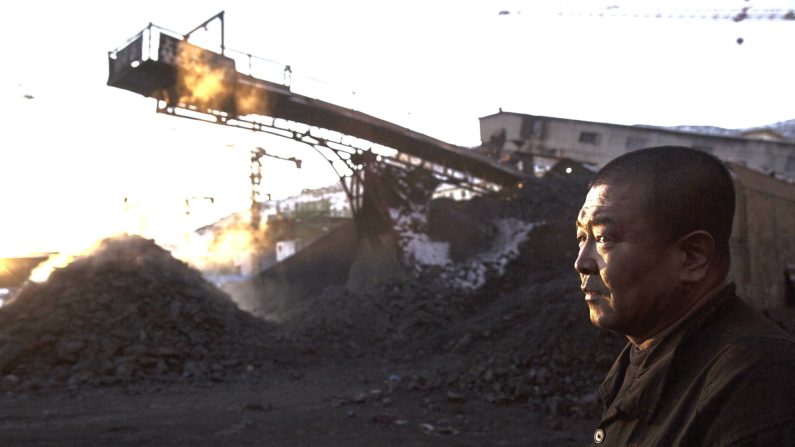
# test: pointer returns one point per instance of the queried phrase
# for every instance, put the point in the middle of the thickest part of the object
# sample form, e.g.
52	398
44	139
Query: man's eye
602	239
581	238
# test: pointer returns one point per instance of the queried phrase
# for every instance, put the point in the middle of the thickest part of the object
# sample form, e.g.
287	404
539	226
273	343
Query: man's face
629	272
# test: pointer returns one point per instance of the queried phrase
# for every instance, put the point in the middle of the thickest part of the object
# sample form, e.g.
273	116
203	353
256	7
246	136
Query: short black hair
687	190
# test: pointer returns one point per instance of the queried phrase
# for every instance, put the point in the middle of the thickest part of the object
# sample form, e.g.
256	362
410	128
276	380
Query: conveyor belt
237	95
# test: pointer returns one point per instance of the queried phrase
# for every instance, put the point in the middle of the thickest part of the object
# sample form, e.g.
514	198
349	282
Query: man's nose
585	264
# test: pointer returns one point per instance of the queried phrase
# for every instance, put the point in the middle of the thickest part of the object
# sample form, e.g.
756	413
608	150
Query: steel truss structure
355	155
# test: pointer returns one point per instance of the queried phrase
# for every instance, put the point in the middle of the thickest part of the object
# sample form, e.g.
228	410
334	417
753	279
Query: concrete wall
511	124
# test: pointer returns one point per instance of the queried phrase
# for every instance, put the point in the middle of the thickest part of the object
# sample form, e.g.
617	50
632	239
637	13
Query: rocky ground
329	406
488	343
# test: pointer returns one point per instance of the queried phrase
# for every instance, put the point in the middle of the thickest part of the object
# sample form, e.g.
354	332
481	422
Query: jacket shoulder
749	383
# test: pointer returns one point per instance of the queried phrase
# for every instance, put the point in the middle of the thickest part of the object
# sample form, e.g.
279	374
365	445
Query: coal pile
521	335
129	313
496	316
527	342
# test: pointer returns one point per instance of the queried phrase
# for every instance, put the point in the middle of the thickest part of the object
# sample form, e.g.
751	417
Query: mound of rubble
129	313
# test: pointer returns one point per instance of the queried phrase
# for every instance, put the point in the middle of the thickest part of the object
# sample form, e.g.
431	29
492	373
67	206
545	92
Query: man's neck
697	304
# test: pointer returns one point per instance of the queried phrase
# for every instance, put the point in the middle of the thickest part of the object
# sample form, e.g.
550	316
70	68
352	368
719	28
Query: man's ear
699	252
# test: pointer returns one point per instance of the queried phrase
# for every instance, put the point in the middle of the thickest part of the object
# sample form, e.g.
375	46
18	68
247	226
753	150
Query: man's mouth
592	292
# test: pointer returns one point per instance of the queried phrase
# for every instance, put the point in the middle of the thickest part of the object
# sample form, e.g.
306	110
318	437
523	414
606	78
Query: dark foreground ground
334	406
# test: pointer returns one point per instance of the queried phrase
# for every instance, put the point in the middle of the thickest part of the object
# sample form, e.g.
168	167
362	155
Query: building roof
784	128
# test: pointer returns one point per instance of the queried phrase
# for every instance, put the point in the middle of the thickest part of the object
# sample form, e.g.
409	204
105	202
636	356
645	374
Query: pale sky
71	153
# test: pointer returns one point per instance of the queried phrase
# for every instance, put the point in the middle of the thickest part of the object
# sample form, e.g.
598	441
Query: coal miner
702	368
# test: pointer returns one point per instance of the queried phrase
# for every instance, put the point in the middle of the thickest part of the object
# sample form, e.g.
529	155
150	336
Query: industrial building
529	140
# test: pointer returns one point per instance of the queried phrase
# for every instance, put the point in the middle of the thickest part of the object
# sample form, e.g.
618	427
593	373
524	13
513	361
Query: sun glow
250	100
45	269
230	247
199	82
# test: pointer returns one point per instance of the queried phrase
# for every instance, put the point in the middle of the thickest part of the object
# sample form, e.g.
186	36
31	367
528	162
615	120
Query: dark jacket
725	377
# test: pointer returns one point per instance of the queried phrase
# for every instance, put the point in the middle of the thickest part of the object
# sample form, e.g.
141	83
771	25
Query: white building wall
511	123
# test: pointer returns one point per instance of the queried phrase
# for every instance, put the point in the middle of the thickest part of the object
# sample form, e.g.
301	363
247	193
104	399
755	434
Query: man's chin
598	318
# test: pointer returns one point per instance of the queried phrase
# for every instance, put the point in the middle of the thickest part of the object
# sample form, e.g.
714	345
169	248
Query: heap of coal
129	313
518	333
523	336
